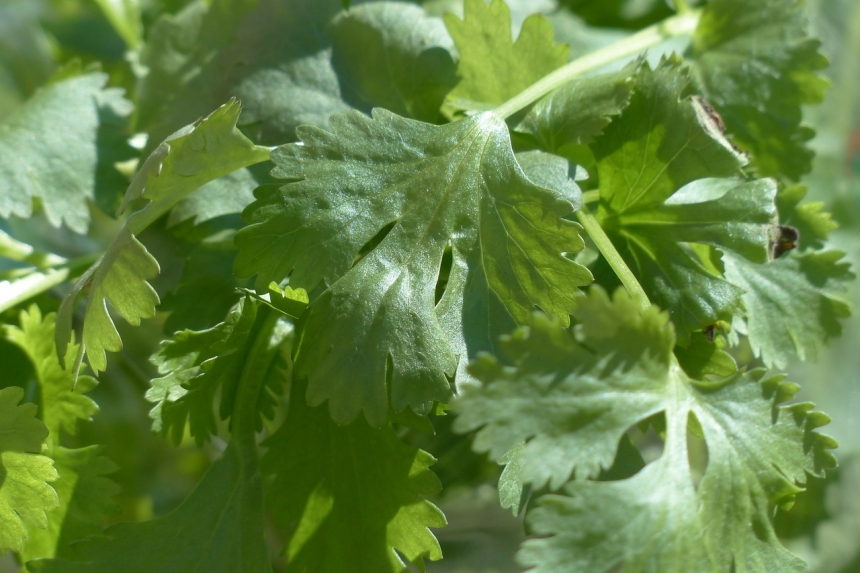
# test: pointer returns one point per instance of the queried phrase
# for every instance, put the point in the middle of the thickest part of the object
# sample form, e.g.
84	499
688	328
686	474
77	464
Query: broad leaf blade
457	184
216	529
357	494
759	450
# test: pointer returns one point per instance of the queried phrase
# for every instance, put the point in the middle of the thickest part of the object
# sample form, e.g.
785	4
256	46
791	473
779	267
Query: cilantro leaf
657	166
621	369
216	529
492	67
350	516
793	304
63	402
188	159
458	185
757	65
195	365
272	55
54	147
809	218
25	495
578	111
86	496
404	63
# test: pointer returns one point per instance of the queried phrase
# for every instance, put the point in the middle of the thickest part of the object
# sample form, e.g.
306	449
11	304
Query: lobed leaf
492	67
755	62
793	304
665	184
759	450
188	159
356	494
197	365
25	496
408	190
577	112
55	146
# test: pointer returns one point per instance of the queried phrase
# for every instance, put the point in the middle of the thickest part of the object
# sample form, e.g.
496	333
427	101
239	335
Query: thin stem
591	196
254	374
679	25
609	252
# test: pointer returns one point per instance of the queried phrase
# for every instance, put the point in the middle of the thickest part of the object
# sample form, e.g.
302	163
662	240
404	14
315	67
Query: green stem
612	256
682	7
591	196
40	280
679	25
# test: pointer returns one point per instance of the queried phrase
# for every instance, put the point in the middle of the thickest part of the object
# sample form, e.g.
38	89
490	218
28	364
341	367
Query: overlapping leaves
60	146
572	398
355	494
197	364
428	187
756	63
658	166
85	494
186	160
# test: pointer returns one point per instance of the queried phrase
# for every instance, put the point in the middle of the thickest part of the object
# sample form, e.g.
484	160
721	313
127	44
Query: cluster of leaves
440	222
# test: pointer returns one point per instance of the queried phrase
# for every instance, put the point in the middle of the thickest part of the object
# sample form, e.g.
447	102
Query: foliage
561	268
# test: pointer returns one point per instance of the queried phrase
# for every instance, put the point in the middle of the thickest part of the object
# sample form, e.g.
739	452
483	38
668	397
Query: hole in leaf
373	242
444	272
647	436
697	449
628	462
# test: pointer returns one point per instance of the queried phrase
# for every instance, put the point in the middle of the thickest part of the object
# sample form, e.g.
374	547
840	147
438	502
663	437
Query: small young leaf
356	494
809	218
492	67
456	184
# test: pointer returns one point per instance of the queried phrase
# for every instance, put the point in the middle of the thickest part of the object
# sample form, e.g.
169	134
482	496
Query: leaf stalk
679	25
612	256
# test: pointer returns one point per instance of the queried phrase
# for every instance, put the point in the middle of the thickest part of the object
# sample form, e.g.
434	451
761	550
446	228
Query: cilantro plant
358	237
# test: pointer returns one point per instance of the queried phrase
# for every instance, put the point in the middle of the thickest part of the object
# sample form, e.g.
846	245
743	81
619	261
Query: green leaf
809	218
124	16
571	398
657	166
356	494
576	421
196	365
492	67
218	528
188	159
404	62
427	187
54	148
756	64
86	496
705	357
274	56
793	304
62	401
25	495
578	112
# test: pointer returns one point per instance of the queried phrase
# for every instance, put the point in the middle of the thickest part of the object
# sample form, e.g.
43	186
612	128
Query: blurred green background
39	37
